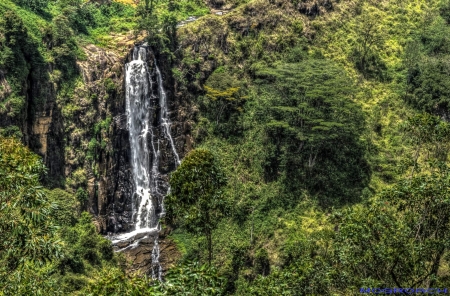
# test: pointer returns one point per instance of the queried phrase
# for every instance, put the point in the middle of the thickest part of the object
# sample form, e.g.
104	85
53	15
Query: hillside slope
321	125
307	152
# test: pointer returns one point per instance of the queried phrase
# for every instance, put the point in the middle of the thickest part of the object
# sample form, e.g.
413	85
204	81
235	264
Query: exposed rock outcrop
79	128
139	259
101	118
5	89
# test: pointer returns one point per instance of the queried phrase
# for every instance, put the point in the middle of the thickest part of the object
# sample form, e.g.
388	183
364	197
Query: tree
427	131
224	97
428	85
397	239
186	279
27	232
312	127
368	42
223	102
426	61
223	91
158	24
195	194
193	279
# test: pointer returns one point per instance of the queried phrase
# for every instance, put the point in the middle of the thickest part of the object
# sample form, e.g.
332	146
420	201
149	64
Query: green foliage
404	232
11	131
305	238
92	149
367	45
186	279
312	128
6	55
430	133
299	136
426	61
34	5
262	264
82	195
112	17
64	46
103	125
193	279
160	18
280	282
31	280
84	252
79	14
28	233
66	211
18	51
444	10
77	179
115	282
109	85
195	197
46	243
223	102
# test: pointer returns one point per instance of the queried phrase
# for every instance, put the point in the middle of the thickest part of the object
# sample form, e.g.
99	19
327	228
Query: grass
398	21
332	36
127	2
33	22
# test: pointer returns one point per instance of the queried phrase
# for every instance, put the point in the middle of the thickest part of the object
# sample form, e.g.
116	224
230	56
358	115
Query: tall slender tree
196	200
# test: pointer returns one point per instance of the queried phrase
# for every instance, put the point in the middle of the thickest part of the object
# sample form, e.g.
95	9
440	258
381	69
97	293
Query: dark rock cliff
80	131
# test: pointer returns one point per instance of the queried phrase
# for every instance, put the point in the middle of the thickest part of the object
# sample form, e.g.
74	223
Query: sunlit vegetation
320	156
339	98
49	247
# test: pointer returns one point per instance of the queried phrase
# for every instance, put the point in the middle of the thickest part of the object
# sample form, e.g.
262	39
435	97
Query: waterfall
164	113
138	85
149	135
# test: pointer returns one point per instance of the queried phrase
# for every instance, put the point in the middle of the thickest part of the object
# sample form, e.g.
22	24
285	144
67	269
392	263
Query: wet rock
139	258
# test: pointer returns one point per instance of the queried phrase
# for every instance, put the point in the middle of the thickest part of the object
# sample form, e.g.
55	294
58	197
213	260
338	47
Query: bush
28	235
106	249
66	212
73	283
11	131
82	195
34	5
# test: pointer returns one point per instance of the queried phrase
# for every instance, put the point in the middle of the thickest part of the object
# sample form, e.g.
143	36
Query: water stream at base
145	142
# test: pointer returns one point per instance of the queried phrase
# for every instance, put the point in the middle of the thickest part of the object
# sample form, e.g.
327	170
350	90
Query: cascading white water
138	87
145	142
164	112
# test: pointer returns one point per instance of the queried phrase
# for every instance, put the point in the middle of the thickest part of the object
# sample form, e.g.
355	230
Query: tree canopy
195	194
313	127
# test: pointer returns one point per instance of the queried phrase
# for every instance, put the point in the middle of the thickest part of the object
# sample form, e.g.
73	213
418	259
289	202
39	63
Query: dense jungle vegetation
320	160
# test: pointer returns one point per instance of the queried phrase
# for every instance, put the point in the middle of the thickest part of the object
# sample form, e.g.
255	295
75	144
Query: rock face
139	258
101	98
5	89
79	129
107	171
110	182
